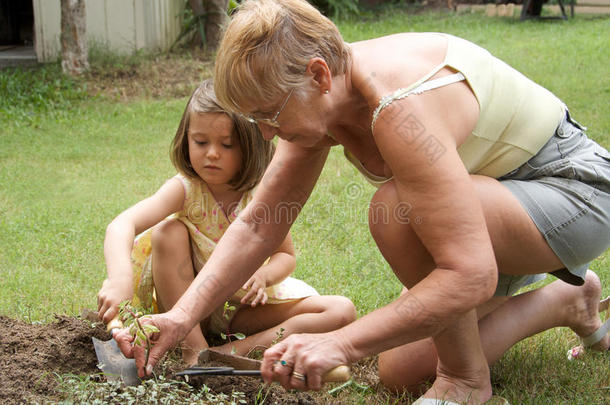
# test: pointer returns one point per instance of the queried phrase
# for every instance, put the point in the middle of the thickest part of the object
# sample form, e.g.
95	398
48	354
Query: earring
326	91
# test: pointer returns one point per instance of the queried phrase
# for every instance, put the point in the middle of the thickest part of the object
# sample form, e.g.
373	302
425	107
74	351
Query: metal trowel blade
114	365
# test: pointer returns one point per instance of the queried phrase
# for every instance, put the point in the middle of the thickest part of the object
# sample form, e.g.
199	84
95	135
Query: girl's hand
112	293
256	290
310	355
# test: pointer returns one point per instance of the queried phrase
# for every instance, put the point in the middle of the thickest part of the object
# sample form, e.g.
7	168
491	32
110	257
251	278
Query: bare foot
190	357
582	312
473	390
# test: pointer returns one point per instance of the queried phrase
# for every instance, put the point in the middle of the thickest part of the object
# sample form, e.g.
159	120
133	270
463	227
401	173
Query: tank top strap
418	87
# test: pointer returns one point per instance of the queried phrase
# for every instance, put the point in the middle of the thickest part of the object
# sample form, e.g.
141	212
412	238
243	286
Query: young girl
220	158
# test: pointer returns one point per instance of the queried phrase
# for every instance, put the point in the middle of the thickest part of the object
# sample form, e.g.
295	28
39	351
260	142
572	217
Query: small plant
228	336
130	316
257	351
83	389
278	336
226	313
360	388
260	396
226	310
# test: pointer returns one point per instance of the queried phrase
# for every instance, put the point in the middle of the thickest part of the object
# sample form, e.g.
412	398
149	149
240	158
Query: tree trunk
215	22
74	51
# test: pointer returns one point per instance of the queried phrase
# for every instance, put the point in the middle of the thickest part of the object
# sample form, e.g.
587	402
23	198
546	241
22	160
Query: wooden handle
115	323
337	374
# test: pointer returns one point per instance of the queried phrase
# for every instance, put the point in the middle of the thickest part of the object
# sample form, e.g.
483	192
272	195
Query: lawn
68	165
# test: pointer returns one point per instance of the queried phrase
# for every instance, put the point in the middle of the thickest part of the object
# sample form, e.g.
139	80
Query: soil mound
30	354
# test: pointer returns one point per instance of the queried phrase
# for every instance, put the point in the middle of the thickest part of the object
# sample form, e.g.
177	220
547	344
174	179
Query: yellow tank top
517	116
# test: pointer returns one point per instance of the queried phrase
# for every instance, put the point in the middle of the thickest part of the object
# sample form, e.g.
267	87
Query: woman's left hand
256	290
300	361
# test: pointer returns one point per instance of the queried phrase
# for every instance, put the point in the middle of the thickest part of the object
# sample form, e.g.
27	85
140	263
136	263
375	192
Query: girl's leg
462	370
503	322
262	323
172	274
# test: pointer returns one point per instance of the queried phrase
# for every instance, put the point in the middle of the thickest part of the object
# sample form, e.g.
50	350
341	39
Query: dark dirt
30	354
34	356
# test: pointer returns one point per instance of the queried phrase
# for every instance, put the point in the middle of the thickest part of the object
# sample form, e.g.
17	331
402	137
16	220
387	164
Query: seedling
278	336
257	351
228	336
131	316
226	311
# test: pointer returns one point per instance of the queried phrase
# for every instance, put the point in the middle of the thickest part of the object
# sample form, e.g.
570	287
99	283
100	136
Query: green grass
69	165
27	93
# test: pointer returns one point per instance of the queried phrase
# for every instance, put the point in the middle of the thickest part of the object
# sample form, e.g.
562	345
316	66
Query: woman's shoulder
382	65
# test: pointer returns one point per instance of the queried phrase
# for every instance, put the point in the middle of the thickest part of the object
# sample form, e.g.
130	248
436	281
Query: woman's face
294	118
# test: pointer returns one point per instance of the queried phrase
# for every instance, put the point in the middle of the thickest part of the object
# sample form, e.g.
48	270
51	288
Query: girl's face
214	151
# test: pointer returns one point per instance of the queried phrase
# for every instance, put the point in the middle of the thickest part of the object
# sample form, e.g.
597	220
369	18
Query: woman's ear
320	73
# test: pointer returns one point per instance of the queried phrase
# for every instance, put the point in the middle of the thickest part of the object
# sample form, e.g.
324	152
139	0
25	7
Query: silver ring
299	376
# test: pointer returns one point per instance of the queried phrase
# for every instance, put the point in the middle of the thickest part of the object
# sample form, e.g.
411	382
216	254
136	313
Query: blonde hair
256	151
266	48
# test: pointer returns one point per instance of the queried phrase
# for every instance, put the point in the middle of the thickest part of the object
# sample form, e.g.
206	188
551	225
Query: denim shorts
565	189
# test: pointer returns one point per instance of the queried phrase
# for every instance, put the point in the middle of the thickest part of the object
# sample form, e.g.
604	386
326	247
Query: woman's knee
407	368
168	235
389	372
389	216
381	209
390	225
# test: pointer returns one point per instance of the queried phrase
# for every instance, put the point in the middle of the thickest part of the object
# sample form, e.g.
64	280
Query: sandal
494	400
588	341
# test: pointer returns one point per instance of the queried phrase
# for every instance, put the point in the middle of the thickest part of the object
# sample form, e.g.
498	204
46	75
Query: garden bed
47	363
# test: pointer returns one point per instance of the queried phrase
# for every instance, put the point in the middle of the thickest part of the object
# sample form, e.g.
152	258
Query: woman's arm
257	233
118	243
417	139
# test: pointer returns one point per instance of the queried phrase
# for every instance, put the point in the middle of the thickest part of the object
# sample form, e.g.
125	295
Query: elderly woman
504	184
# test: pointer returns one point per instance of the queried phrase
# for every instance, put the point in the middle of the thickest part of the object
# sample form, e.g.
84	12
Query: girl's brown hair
256	151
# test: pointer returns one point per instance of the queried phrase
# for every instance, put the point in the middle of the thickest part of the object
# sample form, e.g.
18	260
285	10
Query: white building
122	26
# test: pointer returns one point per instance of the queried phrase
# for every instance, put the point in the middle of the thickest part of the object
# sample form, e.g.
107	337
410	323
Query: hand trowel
111	361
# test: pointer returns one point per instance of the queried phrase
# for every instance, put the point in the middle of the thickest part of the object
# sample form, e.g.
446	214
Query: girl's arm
280	265
118	243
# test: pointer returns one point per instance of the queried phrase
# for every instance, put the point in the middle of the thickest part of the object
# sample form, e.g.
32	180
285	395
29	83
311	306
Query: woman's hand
112	293
307	355
172	327
256	290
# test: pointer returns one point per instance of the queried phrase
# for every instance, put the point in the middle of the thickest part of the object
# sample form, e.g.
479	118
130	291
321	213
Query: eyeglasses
272	122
